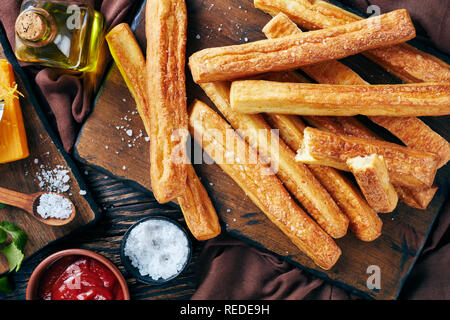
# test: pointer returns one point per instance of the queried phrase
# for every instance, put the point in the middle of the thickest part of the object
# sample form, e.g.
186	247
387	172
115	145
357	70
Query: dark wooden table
121	206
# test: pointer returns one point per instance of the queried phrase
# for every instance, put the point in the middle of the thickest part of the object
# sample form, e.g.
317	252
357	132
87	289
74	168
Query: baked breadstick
297	179
256	96
225	63
418	198
266	191
198	211
166	44
410	130
128	57
347	126
195	203
373	178
414	197
404	61
363	221
407	167
406	128
414	133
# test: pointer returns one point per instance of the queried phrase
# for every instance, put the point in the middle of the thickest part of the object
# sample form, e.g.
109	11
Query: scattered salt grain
157	248
83	192
147	139
129	132
197	36
54	206
53	180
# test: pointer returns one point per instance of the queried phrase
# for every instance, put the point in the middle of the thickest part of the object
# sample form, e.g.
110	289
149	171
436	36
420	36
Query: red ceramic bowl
34	282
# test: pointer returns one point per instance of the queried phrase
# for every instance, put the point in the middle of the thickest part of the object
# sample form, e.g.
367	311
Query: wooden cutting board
113	139
46	153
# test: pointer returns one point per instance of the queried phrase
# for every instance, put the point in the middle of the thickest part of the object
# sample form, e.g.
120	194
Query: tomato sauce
79	278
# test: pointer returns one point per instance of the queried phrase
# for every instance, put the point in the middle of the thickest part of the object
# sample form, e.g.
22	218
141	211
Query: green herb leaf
6	285
19	238
3	236
13	251
2	205
14	256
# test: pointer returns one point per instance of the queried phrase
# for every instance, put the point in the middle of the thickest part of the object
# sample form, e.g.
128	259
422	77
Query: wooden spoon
30	202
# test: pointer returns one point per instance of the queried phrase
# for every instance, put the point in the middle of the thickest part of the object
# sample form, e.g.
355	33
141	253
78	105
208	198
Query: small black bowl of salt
155	250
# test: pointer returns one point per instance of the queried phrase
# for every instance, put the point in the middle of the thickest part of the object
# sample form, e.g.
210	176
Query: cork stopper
31	26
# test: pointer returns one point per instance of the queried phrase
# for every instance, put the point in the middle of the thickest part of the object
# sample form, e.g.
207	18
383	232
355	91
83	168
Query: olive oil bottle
59	34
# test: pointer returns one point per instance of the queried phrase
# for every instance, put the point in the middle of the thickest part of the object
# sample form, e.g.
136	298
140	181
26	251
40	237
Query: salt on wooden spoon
49	208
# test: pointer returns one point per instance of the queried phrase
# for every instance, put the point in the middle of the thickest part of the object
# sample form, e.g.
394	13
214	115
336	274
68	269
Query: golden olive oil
59	34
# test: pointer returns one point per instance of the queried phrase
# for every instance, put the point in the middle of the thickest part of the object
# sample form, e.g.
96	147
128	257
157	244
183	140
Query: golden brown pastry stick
198	211
414	133
347	126
418	198
414	197
410	130
266	191
232	62
256	96
404	61
407	167
166	44
372	177
128	57
297	179
195	203
406	128
364	222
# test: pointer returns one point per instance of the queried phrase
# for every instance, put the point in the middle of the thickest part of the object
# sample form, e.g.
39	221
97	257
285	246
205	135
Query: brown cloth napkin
69	101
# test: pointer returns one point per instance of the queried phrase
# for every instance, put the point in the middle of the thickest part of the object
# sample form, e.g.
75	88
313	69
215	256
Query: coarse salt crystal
157	248
54	206
53	180
83	192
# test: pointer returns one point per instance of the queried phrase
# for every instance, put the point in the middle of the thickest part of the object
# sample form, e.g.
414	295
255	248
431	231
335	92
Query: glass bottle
59	34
